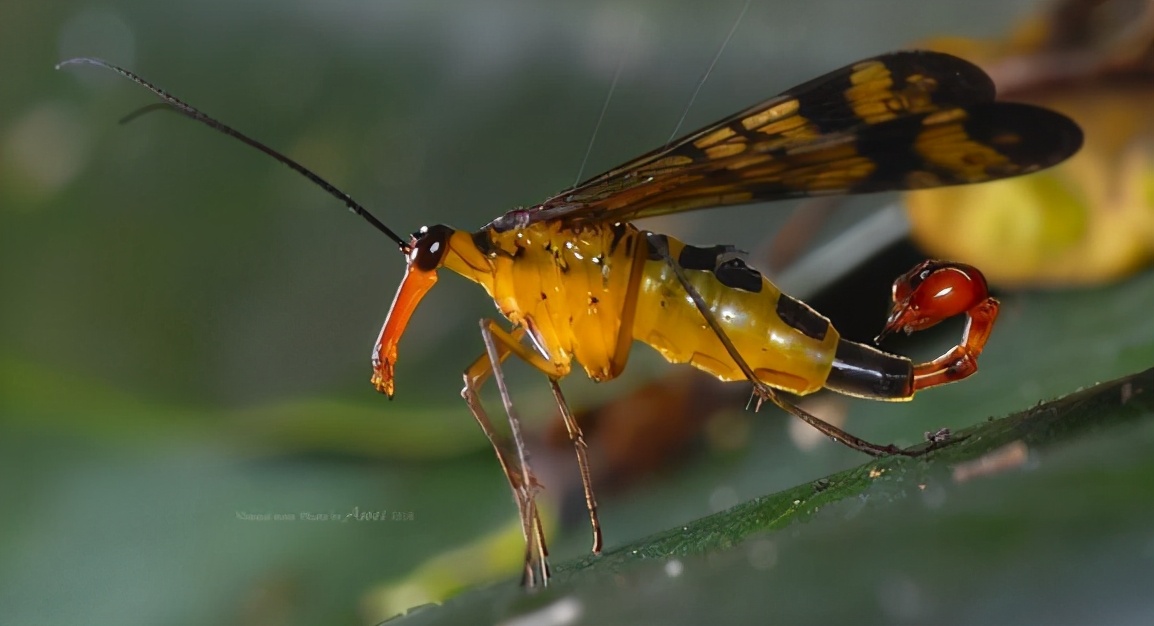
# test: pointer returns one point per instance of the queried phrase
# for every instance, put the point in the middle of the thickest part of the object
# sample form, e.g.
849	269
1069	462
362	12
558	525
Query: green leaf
991	518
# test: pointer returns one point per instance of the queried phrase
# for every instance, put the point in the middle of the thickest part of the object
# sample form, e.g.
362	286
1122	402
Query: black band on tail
864	371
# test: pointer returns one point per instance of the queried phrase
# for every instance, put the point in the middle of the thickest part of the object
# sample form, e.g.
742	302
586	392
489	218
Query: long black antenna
185	109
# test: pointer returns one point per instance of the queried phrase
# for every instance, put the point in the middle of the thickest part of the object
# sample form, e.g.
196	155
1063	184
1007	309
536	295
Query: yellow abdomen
787	344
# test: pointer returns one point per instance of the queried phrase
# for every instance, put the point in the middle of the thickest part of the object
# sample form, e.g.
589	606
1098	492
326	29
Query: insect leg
580	448
516	469
763	391
499	345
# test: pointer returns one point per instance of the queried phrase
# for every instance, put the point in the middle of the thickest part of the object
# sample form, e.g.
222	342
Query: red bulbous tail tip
934	291
931	292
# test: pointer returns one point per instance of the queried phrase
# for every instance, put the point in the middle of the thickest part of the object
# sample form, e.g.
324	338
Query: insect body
587	295
579	283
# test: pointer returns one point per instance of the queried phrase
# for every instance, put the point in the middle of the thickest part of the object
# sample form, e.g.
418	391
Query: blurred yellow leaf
1090	219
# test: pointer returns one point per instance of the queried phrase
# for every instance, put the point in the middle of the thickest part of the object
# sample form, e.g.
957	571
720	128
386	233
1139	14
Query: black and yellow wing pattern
904	120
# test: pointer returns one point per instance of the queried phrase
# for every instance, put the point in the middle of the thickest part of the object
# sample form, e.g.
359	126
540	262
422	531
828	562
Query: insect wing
870	126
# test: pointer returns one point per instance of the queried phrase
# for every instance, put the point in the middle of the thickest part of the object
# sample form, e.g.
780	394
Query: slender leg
536	552
763	391
516	469
580	448
499	345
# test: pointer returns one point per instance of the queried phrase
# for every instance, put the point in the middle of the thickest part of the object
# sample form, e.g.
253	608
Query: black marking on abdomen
798	315
728	269
653	255
736	274
694	258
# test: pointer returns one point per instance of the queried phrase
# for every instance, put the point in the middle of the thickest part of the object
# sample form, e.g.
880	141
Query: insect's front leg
499	345
765	392
515	467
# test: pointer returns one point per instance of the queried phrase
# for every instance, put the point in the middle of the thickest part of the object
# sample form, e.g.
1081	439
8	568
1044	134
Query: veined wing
903	120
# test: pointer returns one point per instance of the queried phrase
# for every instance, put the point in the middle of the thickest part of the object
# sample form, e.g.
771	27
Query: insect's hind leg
765	392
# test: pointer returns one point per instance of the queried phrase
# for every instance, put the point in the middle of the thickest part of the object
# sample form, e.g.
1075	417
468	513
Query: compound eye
429	247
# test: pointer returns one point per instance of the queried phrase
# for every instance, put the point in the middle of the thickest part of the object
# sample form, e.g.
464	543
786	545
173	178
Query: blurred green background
185	325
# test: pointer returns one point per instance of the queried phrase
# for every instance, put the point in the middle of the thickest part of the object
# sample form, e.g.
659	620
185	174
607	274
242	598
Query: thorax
570	288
